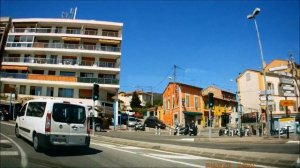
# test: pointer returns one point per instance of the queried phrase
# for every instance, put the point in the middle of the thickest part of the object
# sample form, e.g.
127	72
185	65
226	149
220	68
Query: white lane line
188	139
174	161
297	142
24	160
4	141
183	157
9	153
108	146
131	147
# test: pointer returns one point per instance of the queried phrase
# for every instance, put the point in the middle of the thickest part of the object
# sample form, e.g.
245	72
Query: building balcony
63	46
66	31
60	61
42	77
98	80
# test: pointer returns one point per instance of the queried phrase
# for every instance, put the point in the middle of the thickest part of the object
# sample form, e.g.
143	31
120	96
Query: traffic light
210	100
95	92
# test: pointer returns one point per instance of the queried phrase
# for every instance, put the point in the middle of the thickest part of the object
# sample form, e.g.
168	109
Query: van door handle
74	127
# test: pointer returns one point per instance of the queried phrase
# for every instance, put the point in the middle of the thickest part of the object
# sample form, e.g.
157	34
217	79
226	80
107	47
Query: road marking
184	157
24	160
131	147
297	142
7	123
175	161
188	139
4	141
9	153
108	146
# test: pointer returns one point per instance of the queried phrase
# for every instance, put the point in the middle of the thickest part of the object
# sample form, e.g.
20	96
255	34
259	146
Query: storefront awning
9	67
192	113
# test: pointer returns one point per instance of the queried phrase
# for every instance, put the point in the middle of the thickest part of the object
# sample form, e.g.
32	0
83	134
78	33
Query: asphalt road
17	152
288	148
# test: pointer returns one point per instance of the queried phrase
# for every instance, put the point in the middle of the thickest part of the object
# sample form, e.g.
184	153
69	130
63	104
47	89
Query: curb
270	159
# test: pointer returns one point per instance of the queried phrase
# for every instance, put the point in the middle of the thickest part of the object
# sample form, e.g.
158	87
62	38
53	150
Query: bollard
159	131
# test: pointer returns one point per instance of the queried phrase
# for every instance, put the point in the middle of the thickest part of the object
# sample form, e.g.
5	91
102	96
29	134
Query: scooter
193	130
182	130
139	126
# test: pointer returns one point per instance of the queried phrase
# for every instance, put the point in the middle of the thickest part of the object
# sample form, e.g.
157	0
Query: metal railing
63	46
98	80
79	79
60	61
13	75
66	31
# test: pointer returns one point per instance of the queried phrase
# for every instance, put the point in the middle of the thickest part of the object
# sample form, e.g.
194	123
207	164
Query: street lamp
252	17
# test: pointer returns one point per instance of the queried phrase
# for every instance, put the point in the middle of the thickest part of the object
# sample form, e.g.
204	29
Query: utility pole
180	95
294	74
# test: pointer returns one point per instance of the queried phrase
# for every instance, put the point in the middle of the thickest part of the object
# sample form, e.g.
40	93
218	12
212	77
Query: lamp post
252	17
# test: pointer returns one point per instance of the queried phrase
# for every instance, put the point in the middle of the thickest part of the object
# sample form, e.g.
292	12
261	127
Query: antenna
69	15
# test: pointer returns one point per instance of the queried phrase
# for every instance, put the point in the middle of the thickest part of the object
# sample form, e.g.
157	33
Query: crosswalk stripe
9	153
4	141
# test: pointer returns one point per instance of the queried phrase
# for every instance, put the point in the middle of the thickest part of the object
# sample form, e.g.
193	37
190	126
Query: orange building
182	103
225	105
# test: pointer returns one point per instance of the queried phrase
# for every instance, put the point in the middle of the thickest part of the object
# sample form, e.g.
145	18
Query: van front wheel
36	143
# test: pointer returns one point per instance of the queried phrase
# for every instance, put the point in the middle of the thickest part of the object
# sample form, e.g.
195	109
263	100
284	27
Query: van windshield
68	113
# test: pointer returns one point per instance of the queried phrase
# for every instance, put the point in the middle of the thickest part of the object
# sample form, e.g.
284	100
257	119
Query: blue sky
211	41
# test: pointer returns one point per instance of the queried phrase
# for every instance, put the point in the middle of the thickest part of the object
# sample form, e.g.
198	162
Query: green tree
135	101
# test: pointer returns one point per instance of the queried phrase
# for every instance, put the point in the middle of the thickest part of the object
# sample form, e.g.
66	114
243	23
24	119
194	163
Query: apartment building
62	58
224	110
4	28
182	103
283	78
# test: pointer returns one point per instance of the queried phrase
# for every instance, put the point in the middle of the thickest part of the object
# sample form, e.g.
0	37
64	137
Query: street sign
287	102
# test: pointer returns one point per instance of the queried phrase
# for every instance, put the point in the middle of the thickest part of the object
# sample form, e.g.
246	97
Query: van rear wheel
17	132
36	143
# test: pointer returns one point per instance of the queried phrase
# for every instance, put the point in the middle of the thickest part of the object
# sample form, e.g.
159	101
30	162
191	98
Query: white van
47	122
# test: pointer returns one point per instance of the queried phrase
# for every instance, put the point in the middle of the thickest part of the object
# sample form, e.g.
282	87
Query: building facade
125	98
182	103
224	109
283	78
62	58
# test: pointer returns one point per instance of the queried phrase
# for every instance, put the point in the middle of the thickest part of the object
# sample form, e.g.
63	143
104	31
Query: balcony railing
98	80
64	31
13	75
59	78
60	61
63	46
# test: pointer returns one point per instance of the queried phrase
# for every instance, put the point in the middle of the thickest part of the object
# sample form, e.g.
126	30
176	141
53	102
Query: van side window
36	109
22	111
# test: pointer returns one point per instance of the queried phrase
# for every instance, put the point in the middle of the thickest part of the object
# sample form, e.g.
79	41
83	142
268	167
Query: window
66	73
86	75
50	91
173	101
68	113
36	109
35	90
64	92
51	72
281	108
22	89
271	87
168	104
196	102
187	100
22	111
248	77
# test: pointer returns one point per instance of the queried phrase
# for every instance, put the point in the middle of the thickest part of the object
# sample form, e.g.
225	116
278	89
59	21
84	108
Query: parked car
47	122
154	122
4	115
132	121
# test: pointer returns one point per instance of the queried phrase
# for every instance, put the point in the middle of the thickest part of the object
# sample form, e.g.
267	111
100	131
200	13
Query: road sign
287	102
